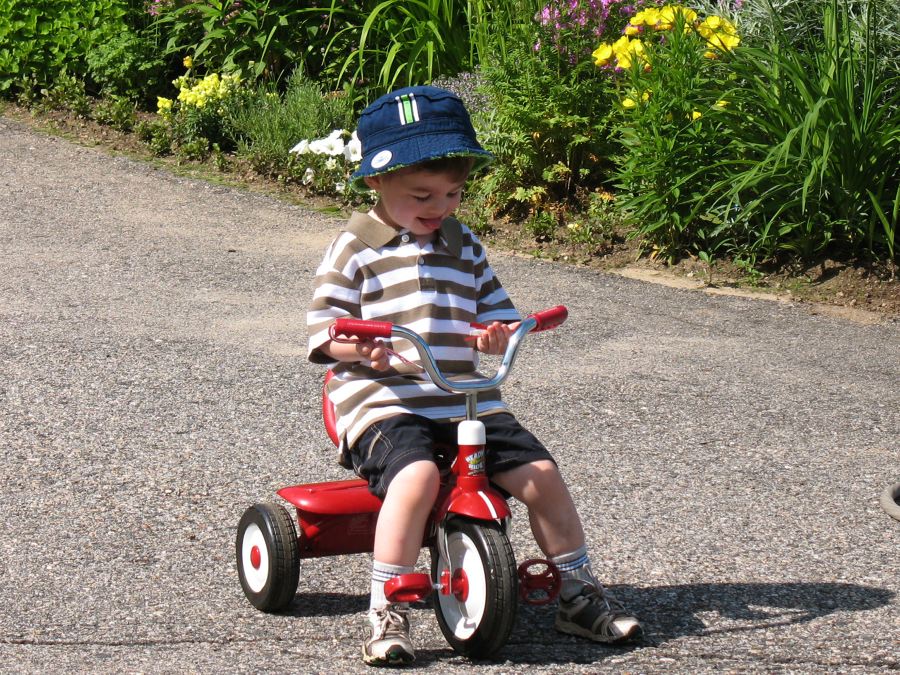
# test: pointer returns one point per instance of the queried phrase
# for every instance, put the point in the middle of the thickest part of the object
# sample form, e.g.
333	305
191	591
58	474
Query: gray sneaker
389	644
596	615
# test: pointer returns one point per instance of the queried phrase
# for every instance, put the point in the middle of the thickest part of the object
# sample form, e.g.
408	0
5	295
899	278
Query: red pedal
539	588
408	588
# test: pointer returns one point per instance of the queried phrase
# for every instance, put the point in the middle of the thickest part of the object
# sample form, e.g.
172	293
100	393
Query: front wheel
268	560
478	613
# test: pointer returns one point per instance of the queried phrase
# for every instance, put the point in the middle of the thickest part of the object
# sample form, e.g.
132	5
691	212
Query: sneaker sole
633	633
392	659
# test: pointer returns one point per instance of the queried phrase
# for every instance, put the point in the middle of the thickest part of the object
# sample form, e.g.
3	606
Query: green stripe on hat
407	114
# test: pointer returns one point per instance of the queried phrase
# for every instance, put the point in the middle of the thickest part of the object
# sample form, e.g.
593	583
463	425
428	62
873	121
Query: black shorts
391	444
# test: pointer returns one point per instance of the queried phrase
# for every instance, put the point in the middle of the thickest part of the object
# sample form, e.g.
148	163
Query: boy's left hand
495	337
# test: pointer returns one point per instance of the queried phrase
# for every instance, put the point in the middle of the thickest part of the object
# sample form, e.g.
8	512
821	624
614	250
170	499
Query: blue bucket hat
414	125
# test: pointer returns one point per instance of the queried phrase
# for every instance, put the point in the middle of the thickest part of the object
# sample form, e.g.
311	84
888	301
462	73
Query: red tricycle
473	570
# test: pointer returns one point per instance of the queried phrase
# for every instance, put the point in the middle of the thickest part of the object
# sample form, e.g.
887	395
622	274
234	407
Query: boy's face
416	199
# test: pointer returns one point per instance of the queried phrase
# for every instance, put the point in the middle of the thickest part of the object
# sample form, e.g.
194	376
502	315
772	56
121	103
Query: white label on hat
381	159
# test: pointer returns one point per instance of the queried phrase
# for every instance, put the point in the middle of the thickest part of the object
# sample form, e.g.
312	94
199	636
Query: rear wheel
478	614
268	561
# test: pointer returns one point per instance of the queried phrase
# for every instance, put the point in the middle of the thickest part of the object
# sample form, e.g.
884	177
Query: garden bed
867	293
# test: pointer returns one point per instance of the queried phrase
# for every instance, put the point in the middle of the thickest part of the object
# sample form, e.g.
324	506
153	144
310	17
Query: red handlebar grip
550	318
362	328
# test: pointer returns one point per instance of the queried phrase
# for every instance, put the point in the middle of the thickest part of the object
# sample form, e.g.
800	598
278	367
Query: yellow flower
632	30
163	105
630	101
646	17
628	50
188	62
605	196
719	33
696	115
669	13
603	54
721	104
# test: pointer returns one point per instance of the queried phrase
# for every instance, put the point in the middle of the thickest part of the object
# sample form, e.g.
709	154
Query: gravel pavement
726	454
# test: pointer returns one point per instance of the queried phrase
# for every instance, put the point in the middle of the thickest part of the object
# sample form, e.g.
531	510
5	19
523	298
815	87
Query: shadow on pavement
706	609
671	612
327	604
667	612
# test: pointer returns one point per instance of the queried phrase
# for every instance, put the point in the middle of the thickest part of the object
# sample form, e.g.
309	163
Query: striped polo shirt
376	272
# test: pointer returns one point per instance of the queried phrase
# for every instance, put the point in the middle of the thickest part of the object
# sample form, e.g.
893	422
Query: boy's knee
542	473
422	473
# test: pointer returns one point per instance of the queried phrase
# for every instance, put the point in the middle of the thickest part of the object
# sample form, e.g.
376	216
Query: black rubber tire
272	586
890	501
483	551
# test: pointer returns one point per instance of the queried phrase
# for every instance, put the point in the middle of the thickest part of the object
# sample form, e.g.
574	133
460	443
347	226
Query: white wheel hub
255	558
464	617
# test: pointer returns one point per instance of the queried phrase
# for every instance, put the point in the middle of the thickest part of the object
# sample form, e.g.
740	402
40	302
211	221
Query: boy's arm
336	295
493	302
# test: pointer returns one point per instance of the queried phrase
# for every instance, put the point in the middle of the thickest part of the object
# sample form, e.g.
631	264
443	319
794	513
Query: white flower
301	148
308	175
353	150
331	163
340	187
332	145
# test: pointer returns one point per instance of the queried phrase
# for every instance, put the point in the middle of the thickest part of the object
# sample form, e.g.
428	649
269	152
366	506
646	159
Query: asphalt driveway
726	454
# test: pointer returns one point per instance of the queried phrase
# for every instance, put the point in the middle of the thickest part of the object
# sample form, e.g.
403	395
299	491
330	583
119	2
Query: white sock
382	572
575	570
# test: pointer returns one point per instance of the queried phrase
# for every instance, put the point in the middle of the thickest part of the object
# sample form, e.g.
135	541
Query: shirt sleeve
336	295
493	303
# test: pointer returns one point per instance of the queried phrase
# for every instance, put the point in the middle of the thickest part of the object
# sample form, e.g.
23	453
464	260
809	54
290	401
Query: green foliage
198	119
128	64
816	137
156	134
600	222
547	121
39	39
66	93
252	37
117	112
541	225
397	43
673	99
266	124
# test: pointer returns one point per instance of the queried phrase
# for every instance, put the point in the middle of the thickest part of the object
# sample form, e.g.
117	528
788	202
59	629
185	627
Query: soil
865	293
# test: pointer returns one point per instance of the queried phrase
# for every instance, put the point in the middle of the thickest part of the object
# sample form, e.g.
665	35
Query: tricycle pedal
408	588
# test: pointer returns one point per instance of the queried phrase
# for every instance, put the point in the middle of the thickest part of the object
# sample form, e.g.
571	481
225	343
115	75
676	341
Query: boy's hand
495	337
374	351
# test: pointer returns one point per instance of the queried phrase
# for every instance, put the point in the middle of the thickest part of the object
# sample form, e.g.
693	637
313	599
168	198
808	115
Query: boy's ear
373	182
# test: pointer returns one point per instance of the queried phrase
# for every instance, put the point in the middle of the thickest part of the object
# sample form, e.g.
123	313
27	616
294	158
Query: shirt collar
375	234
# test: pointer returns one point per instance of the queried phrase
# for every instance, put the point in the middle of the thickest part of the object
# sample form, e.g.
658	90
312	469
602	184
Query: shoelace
601	595
390	622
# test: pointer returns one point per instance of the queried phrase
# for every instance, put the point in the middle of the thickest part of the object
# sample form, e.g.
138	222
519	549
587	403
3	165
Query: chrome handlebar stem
473	386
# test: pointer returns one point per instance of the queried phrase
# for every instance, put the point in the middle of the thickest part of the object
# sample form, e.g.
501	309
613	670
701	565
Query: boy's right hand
375	352
367	352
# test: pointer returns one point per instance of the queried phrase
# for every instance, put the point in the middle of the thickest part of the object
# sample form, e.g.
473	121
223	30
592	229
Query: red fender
328	411
340	497
474	497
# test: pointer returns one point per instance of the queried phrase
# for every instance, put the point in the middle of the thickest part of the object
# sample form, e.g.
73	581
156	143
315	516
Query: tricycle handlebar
533	323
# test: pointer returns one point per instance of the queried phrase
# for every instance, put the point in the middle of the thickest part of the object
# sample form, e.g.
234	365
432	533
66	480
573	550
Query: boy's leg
409	481
586	608
398	539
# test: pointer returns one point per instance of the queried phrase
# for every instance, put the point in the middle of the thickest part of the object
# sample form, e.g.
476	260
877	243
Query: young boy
410	263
